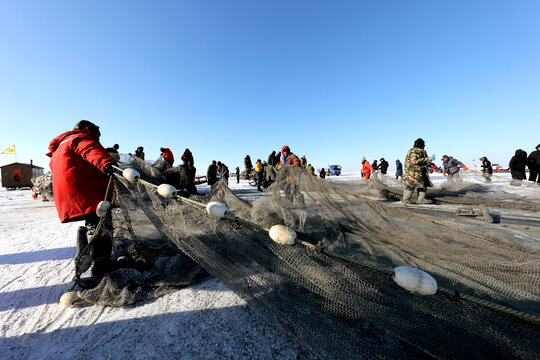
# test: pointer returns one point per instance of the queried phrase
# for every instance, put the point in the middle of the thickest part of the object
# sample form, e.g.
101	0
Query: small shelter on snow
17	175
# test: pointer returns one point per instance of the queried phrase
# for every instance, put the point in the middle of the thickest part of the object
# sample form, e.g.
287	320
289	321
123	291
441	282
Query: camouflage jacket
413	176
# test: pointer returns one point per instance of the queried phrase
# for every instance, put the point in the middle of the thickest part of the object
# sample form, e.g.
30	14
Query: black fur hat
419	143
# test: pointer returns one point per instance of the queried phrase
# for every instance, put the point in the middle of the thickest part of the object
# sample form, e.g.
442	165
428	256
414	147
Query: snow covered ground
204	321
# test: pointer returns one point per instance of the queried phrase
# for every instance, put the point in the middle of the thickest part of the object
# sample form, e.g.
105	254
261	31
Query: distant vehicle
334	170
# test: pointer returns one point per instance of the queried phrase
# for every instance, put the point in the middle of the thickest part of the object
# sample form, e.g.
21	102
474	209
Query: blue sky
334	80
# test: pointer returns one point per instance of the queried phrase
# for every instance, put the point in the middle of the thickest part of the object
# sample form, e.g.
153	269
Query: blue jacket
399	168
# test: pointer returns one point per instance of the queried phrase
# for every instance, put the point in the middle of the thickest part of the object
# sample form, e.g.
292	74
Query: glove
108	169
464	167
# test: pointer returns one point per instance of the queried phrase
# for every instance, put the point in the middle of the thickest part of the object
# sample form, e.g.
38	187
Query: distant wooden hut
17	175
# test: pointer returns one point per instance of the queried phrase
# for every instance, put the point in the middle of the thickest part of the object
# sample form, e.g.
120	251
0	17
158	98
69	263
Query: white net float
216	209
69	299
131	175
415	280
166	190
102	208
282	234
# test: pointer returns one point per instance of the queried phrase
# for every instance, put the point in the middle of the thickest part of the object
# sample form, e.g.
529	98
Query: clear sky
334	80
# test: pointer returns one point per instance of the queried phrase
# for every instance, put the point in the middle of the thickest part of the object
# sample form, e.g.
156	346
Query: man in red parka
80	166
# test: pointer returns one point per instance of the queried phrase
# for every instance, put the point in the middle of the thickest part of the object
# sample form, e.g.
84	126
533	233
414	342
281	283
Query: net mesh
339	309
473	191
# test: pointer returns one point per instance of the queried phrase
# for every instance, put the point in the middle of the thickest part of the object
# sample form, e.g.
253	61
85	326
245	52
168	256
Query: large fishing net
470	190
343	309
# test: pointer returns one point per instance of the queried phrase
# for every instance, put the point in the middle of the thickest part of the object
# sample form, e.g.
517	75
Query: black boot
83	260
82	241
101	253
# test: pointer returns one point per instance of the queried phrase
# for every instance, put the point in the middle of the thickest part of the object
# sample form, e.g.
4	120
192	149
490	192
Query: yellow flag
9	150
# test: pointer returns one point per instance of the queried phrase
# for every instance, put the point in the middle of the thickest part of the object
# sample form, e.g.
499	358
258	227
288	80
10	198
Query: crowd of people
263	173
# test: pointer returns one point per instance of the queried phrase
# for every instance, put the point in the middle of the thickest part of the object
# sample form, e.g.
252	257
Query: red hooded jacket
168	155
79	183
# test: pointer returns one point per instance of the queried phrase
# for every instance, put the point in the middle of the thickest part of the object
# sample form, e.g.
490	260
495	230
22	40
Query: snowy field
204	321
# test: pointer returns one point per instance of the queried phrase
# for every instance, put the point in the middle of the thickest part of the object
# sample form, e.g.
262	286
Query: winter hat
83	124
419	143
444	156
537	146
285	148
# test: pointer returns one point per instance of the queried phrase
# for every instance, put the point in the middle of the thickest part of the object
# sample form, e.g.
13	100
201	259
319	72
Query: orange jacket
289	160
366	170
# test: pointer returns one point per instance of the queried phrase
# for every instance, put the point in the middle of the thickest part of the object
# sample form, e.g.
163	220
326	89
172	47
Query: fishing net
341	309
472	190
43	186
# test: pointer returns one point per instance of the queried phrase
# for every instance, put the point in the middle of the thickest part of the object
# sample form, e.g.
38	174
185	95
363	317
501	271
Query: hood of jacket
53	145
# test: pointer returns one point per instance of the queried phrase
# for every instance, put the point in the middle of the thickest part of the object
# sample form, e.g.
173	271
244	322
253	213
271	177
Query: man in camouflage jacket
415	175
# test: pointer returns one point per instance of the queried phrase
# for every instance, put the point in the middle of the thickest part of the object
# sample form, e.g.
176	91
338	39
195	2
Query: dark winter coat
383	166
77	164
533	161
277	158
272	159
247	163
375	165
399	169
322	174
517	165
139	154
451	165
486	166
187	159
211	174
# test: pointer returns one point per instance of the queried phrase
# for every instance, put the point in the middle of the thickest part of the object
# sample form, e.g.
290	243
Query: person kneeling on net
81	170
415	175
452	167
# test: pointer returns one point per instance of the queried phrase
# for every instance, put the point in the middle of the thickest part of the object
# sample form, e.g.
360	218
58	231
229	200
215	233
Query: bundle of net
159	172
145	264
359	228
43	185
468	188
